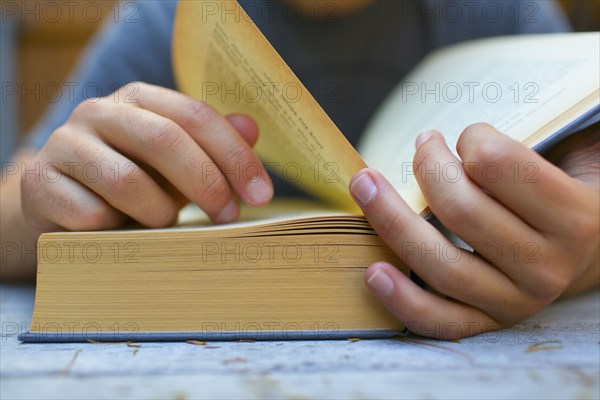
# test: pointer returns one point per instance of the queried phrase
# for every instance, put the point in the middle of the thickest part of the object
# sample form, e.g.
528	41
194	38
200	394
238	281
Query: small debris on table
196	342
545	345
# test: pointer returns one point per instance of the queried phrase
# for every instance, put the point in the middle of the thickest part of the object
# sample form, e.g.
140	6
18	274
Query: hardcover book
294	270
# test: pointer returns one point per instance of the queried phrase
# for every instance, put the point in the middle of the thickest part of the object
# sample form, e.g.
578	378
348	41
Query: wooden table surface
554	355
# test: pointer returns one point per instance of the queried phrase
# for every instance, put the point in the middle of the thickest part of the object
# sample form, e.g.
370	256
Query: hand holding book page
533	226
217	51
535	238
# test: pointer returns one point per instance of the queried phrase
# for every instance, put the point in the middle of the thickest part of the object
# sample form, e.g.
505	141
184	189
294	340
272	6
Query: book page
279	210
221	57
526	86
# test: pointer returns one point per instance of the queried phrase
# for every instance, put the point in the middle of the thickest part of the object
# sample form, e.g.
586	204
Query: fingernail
229	213
422	138
364	189
381	283
260	191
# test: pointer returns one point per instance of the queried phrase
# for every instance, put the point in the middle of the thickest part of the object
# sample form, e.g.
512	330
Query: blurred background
37	53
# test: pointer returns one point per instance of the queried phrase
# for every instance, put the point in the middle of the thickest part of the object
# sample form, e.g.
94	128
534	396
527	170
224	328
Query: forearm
18	261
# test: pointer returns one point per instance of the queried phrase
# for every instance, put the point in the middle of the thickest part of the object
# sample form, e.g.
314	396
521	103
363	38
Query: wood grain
491	366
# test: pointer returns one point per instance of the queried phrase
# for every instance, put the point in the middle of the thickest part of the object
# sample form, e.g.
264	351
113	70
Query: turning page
222	58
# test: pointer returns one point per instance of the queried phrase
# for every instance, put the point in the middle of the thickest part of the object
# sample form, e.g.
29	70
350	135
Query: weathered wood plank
507	364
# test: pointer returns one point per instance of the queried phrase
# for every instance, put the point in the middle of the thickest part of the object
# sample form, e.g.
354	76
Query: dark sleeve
137	47
458	21
544	16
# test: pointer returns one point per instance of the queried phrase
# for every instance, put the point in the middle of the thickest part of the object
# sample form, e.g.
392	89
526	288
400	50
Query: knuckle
214	191
87	107
130	89
83	108
424	159
237	152
163	135
477	129
449	280
391	226
455	211
60	136
149	211
137	84
30	182
85	154
417	307
117	188
128	92
552	283
471	134
486	152
585	230
199	113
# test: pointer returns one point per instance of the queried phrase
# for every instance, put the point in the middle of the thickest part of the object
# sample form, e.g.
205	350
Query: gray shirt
349	63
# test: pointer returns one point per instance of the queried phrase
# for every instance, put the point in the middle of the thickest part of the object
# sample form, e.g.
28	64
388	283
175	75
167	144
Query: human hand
142	153
534	229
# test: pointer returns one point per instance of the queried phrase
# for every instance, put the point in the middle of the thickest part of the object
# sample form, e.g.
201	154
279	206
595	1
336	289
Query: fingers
422	312
521	179
245	126
65	204
486	293
489	227
121	183
446	268
188	148
217	136
166	147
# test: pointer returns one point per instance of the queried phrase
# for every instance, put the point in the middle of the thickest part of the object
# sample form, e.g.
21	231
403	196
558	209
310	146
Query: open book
294	270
